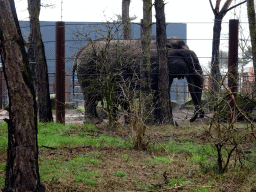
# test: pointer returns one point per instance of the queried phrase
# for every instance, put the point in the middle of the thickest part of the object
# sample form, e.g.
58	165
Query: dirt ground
143	172
181	116
74	116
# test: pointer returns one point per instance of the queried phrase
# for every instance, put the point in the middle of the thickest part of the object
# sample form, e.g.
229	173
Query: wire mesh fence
179	89
79	34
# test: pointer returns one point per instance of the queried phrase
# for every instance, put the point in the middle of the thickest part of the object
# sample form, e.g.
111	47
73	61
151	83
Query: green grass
197	153
3	136
202	190
120	174
89	166
53	170
2	167
55	135
81	109
2	180
178	182
162	160
126	157
86	177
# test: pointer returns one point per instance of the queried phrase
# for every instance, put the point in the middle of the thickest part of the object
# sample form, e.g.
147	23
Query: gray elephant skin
122	58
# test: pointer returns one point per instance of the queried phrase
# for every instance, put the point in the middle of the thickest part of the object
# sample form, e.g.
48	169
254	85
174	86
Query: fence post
177	91
233	67
60	72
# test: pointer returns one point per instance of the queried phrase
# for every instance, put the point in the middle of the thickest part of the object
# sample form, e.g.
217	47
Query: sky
196	13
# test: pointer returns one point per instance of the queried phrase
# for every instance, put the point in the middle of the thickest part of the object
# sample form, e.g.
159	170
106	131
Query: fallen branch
188	186
48	147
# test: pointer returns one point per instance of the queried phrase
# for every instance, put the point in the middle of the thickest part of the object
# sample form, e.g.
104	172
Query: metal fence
179	89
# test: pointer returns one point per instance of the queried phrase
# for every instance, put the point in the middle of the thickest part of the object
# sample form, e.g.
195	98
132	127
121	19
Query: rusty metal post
60	72
233	67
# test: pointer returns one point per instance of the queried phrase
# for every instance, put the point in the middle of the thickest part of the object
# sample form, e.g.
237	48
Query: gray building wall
78	33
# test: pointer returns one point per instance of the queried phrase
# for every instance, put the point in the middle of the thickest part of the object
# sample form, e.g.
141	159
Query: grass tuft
162	160
2	167
2	181
3	136
120	174
85	177
178	182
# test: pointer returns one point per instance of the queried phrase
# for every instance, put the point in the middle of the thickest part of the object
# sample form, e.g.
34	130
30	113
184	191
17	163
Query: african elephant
125	57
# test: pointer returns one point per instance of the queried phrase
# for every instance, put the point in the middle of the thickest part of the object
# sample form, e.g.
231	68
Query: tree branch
217	7
48	147
226	6
236	5
213	10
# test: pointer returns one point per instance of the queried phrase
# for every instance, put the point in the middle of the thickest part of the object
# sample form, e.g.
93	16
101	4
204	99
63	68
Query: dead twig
48	147
189	186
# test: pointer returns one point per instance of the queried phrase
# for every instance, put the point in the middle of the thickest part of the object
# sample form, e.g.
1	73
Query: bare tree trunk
37	57
215	70
126	19
252	28
145	96
146	39
22	172
164	88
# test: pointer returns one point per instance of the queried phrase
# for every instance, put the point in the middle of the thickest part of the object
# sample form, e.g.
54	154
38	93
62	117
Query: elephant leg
195	89
124	104
90	105
198	80
170	85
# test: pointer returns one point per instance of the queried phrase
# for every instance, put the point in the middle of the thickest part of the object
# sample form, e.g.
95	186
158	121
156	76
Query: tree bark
37	58
215	71
22	172
146	39
252	28
145	95
164	88
126	19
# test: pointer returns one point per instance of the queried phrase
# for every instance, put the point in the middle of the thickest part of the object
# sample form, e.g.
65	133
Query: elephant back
125	48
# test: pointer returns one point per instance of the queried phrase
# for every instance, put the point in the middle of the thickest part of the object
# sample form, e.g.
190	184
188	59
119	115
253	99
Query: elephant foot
194	117
95	120
197	111
201	113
